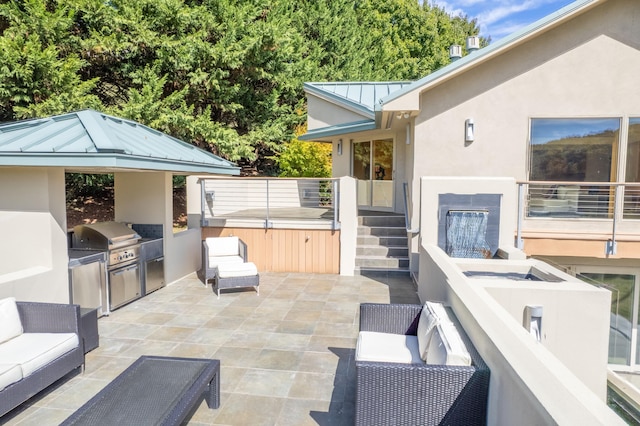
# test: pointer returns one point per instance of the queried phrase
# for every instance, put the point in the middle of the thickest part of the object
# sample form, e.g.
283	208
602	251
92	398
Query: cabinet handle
122	271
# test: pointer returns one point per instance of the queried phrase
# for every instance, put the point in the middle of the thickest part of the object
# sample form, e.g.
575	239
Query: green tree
225	75
305	159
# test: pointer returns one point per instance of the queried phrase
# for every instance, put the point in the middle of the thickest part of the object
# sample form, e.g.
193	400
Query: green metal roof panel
362	96
326	133
91	139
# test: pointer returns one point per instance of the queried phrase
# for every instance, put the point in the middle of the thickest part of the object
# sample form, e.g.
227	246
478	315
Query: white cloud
497	18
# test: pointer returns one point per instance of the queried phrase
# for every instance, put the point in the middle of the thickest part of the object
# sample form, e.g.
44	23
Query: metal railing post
611	246
267	223
335	200
521	204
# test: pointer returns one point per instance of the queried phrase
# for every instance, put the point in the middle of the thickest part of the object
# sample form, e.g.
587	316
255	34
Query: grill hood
104	235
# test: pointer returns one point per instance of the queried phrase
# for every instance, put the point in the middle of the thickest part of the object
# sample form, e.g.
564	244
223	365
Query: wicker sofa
42	350
417	393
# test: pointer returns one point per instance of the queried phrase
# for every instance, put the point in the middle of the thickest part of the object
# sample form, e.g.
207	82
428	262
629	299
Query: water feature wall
469	225
466	233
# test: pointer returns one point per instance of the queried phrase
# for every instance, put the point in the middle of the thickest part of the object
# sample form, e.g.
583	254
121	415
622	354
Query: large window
567	150
580	150
632	173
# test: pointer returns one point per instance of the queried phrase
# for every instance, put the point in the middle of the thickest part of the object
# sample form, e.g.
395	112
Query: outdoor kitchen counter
79	257
151	248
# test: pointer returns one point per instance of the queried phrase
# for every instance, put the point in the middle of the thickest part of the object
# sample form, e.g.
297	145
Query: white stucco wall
148	198
529	384
33	235
328	114
348	226
584	68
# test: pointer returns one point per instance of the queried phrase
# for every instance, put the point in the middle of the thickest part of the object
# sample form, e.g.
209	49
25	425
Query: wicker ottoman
235	275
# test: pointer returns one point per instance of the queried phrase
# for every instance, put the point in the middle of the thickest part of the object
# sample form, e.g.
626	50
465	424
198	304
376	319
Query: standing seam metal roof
88	138
360	96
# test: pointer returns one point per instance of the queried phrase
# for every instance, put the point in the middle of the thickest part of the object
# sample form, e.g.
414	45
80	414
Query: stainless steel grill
122	245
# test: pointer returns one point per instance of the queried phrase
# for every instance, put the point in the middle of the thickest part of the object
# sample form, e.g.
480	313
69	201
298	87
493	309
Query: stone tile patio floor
287	355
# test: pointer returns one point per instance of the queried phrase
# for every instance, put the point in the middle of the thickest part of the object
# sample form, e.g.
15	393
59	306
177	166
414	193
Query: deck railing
612	202
271	199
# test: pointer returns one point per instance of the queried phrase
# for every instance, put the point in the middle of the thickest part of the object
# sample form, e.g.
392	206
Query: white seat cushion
10	324
232	270
446	347
429	317
9	373
387	347
215	261
223	246
35	350
439	310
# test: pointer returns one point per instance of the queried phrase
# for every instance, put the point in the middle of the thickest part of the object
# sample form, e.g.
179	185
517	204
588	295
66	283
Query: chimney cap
455	52
473	43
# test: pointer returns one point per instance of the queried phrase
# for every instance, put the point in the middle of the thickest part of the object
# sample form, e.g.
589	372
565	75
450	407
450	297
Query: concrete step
382	245
395	221
391	241
382	262
378	250
382	231
380	272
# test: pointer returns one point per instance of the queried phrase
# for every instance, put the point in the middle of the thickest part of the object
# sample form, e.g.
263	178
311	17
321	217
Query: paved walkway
286	355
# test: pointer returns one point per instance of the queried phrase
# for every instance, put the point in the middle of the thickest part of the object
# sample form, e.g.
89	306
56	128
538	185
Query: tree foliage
225	75
304	159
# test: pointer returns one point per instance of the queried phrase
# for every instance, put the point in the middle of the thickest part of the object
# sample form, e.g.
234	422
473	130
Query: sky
499	18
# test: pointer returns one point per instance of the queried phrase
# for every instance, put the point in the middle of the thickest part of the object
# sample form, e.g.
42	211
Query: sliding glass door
372	166
624	347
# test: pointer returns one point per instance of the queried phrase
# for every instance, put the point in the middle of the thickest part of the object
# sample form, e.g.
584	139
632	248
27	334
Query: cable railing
268	200
609	201
596	200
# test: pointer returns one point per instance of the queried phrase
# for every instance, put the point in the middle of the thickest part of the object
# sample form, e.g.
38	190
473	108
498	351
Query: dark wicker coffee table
154	390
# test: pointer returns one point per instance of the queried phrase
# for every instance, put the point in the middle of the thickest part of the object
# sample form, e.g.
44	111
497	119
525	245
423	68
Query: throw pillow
11	326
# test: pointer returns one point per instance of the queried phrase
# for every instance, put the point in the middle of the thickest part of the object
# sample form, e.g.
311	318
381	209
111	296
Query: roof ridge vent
473	43
455	52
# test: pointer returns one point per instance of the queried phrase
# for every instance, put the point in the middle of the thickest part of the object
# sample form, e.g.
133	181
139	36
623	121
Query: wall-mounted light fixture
339	147
402	114
532	321
469	130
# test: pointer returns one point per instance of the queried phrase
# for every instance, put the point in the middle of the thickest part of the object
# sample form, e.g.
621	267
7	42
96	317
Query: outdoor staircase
382	246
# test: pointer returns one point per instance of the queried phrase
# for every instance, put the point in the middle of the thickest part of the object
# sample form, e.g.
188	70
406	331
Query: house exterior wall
323	114
33	230
583	68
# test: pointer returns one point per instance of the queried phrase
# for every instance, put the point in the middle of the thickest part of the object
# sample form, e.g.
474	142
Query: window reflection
632	174
580	150
622	288
573	150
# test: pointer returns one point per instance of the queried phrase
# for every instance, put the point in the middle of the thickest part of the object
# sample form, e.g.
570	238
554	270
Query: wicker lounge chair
224	260
417	394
